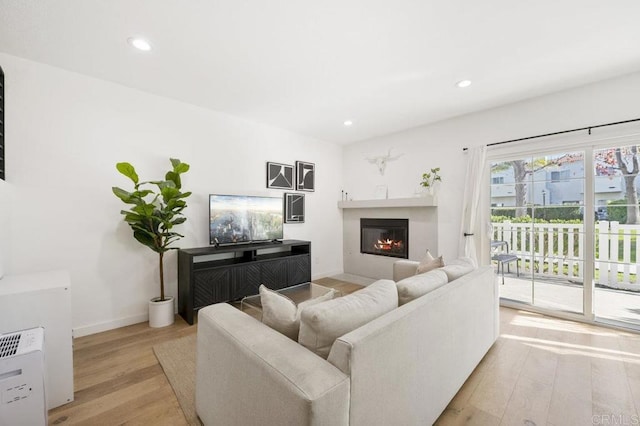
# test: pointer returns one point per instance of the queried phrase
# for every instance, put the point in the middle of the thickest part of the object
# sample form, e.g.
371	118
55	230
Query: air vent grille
9	344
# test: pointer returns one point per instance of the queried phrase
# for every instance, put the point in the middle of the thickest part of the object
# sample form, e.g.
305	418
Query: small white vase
426	192
161	313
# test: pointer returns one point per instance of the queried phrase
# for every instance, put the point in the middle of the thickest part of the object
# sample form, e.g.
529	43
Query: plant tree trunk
520	174
633	212
630	174
161	277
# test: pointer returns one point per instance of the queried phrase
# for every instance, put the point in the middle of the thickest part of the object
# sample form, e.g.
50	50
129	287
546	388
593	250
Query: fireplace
385	237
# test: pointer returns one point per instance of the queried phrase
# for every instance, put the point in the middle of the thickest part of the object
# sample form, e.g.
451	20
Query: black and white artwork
279	176
305	176
293	208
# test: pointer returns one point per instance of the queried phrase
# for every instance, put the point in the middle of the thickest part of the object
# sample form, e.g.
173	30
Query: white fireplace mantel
425	201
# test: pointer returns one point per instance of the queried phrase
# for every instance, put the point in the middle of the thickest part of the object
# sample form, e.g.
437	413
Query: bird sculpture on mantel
381	161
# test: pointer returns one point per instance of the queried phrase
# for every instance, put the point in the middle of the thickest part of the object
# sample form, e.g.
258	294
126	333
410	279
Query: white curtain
471	232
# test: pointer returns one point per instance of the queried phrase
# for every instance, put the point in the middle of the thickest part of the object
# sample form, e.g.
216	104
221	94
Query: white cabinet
43	300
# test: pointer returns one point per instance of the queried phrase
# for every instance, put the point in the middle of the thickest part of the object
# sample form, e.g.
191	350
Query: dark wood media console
208	275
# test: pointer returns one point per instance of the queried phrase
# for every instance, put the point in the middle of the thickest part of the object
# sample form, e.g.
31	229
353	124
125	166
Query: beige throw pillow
322	324
281	313
429	263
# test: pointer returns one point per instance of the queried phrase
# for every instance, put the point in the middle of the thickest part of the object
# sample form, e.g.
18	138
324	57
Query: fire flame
388	244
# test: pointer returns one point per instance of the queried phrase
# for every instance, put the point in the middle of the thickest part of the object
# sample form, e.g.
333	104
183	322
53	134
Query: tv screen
243	219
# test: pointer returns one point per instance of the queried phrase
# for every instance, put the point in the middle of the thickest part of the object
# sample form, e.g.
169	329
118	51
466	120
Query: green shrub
563	213
617	211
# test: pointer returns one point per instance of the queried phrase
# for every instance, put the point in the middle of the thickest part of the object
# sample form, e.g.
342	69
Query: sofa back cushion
322	324
418	285
458	267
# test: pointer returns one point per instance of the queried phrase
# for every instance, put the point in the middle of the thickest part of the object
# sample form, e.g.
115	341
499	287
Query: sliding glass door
566	231
617	234
537	212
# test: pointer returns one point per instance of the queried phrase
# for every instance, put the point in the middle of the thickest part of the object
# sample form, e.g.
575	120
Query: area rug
178	360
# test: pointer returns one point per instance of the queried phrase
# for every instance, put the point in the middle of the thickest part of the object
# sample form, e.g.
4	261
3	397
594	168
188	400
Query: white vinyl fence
557	250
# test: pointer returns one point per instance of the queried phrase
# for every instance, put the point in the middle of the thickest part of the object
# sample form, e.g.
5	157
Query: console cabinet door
275	273
245	280
299	269
211	286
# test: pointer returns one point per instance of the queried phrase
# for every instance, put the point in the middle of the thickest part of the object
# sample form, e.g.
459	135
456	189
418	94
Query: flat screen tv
244	219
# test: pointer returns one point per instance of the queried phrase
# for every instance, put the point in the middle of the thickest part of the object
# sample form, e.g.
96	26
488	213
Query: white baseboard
109	325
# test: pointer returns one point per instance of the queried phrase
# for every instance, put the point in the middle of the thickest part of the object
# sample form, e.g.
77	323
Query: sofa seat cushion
418	285
281	313
322	324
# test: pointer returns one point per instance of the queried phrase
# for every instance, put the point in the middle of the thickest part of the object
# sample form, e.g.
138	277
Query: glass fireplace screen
385	237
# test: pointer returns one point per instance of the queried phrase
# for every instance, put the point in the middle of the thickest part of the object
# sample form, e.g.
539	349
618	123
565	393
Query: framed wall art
279	176
305	176
293	208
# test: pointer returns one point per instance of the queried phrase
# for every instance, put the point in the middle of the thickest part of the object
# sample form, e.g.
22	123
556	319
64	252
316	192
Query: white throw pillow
281	313
418	285
321	325
429	263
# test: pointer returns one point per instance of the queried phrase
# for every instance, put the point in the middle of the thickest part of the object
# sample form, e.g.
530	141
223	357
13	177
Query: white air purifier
22	378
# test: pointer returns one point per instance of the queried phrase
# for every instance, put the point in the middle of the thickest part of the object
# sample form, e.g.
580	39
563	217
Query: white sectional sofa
402	368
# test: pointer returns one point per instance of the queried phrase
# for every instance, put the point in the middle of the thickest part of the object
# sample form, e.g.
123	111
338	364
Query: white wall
64	134
440	144
4	225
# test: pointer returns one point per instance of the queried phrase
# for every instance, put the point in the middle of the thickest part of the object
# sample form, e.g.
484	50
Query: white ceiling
309	66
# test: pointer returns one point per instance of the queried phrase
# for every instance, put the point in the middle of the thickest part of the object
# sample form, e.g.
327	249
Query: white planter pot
161	314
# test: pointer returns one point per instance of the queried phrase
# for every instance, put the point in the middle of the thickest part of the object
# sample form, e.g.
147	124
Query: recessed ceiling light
139	43
348	123
463	83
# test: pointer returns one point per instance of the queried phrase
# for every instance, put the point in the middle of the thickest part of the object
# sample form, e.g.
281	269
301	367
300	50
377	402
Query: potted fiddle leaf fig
155	207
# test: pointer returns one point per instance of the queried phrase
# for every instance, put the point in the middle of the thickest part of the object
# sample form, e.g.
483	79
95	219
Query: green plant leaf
128	170
125	196
143	193
145	239
143	209
169	193
179	220
178	166
131	217
174	177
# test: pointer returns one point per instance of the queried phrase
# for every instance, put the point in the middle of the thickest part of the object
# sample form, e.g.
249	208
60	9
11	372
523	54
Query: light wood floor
541	371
